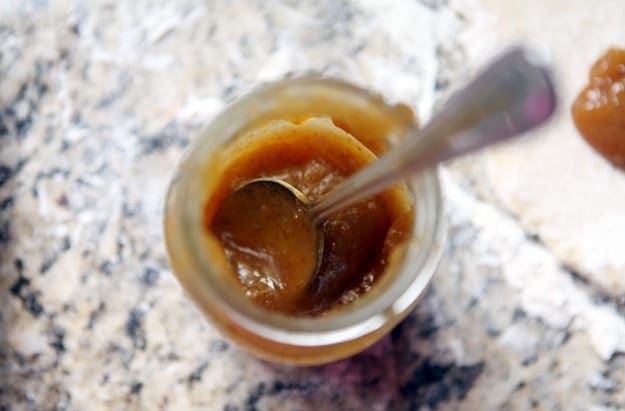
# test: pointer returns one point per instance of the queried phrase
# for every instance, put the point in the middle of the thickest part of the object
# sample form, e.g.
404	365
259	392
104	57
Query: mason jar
292	339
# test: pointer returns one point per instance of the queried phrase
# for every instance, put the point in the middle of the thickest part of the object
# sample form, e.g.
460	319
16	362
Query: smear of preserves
599	110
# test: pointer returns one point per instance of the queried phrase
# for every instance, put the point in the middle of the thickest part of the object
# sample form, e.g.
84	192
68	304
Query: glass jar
208	280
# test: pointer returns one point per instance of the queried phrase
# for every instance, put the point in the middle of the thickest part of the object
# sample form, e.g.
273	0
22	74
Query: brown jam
268	257
599	110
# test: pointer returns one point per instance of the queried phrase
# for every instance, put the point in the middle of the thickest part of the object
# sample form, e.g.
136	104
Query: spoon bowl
256	219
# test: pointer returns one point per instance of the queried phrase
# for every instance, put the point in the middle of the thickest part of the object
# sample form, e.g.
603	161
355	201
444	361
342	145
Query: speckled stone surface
97	102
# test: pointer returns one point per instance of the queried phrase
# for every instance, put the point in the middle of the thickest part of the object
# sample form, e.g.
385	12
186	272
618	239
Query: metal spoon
511	95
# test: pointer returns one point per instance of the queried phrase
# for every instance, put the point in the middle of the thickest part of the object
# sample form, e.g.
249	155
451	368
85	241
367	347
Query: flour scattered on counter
547	291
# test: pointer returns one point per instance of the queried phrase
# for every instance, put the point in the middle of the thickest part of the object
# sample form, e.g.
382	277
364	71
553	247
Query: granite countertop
98	101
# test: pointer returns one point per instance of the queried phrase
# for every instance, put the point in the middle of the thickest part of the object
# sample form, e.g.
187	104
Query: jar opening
370	312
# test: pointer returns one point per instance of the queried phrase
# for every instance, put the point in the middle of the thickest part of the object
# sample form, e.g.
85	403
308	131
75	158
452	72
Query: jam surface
264	246
599	110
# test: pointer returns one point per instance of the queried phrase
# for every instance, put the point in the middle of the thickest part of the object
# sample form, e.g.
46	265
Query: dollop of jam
599	110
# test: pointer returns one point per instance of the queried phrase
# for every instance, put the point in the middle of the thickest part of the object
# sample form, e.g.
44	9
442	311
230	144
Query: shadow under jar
222	158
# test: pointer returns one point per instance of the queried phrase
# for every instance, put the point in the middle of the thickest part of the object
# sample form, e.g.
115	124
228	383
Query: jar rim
346	323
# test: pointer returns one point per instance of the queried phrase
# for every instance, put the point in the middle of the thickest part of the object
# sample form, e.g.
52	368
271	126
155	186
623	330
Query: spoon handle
510	96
